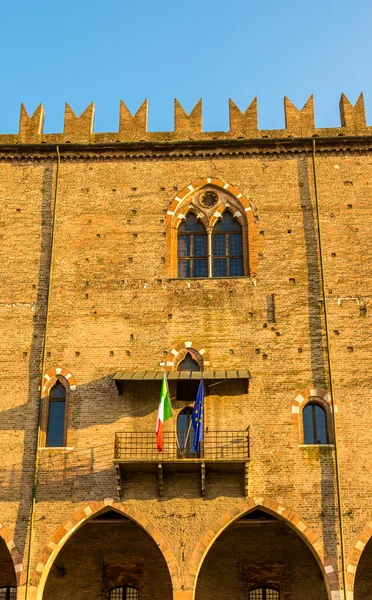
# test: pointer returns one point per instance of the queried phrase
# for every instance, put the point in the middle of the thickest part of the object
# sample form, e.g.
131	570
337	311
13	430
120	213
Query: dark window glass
264	594
8	593
227	243
56	418
188	364
220	267
227	223
192	248
124	593
315	424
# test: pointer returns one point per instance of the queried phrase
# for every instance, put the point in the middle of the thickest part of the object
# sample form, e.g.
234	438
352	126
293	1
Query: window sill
207	278
68	448
316	445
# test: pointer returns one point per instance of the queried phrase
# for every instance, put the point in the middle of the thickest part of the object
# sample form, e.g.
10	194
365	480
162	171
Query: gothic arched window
315	424
192	248
227	247
56	416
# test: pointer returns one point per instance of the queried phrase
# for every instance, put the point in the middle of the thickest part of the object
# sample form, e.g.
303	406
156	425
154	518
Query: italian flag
164	412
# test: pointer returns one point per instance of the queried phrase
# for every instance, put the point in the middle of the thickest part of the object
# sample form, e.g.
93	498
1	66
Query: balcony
220	451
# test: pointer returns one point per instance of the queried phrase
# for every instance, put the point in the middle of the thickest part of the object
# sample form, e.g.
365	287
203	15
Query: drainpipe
338	484
34	486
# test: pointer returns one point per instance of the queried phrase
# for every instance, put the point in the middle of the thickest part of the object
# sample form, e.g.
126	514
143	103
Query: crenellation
30	127
353	118
133	126
188	123
299	123
78	128
244	123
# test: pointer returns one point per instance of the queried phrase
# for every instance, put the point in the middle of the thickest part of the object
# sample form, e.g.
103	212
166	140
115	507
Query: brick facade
107	300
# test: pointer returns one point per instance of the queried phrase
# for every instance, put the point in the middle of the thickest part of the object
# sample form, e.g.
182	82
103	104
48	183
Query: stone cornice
186	150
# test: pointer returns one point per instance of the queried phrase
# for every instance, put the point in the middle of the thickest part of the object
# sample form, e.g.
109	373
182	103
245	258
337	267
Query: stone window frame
229	198
313	396
51	377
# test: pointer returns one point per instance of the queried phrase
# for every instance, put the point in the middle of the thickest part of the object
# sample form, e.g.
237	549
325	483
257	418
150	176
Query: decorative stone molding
304	397
179	352
51	376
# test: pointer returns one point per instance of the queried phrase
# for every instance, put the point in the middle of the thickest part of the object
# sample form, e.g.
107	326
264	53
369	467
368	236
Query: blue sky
106	50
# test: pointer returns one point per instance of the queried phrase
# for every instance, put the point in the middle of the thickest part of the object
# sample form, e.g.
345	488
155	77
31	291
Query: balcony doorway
186	433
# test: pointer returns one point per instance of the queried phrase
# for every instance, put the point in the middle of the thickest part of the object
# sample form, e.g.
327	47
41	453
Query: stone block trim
356	552
179	352
304	397
51	375
77	519
14	552
290	517
201	182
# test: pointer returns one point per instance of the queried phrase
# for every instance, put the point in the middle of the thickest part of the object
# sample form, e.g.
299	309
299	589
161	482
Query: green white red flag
164	412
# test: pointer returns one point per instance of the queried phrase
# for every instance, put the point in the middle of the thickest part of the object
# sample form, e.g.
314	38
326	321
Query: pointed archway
259	557
8	579
289	518
58	548
363	574
109	557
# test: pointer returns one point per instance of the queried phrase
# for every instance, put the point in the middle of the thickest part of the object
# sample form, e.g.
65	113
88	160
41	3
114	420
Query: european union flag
197	417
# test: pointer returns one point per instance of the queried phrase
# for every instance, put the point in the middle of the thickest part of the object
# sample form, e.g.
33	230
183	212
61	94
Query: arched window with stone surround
192	248
227	247
315	424
56	416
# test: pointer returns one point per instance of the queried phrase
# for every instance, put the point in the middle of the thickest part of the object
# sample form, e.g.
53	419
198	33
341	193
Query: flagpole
174	421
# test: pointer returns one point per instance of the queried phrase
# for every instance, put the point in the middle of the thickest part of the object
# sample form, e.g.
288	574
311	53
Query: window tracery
212	239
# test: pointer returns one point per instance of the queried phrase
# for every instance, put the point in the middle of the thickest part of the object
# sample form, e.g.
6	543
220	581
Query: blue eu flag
197	417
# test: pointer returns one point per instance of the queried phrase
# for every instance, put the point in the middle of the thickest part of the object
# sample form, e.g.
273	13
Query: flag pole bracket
202	473
160	480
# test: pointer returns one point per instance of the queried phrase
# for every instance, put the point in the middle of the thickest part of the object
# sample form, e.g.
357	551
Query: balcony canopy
174	375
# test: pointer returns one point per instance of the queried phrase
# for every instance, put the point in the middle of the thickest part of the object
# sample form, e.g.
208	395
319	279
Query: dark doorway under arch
110	551
260	551
8	580
363	577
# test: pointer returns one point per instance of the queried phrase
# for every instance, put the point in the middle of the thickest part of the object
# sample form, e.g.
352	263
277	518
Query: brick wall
114	307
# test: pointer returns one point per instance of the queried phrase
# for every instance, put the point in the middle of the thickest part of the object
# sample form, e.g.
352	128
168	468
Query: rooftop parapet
188	126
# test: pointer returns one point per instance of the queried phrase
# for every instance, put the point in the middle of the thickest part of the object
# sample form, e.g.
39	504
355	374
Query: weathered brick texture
116	304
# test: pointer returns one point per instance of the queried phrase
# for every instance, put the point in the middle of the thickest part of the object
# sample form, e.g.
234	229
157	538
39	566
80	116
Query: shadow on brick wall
319	373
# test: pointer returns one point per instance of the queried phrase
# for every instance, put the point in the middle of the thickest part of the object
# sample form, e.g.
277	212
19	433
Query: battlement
299	123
